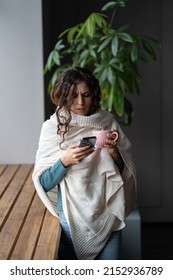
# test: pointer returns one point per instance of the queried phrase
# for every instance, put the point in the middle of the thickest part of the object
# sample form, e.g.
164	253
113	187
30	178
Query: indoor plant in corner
113	54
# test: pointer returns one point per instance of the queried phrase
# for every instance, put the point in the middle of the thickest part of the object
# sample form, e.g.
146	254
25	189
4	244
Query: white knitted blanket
96	198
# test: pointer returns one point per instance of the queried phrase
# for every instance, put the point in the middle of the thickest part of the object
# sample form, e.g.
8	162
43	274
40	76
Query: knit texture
96	197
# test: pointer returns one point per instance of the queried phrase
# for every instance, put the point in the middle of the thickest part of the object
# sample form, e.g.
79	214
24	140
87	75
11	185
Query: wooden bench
27	229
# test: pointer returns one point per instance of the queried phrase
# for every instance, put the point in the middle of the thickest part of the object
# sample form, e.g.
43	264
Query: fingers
75	154
83	151
76	145
80	156
112	138
113	135
73	146
112	142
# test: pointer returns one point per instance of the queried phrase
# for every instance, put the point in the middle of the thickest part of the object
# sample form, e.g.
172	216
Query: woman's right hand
75	154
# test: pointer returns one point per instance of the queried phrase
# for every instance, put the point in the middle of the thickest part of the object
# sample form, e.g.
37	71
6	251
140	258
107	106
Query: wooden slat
2	168
10	195
27	240
28	230
13	225
47	247
7	176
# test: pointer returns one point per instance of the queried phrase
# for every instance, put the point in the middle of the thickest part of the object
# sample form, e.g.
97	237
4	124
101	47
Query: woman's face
81	99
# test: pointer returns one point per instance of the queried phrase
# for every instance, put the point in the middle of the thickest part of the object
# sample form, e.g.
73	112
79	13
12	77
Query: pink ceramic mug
101	136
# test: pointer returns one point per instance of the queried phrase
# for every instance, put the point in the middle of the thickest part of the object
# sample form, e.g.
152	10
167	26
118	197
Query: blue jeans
111	250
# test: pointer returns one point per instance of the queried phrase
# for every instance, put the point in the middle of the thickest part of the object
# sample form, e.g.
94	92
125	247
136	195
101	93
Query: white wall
21	79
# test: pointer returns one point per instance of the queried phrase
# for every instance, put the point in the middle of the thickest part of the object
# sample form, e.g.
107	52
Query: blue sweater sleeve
52	176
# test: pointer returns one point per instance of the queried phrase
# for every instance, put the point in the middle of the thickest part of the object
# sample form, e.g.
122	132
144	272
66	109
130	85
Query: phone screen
88	141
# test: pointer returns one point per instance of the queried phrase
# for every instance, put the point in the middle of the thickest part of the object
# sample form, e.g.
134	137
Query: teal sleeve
52	176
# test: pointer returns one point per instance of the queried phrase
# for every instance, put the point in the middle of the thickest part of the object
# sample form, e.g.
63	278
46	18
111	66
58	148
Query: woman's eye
86	94
74	95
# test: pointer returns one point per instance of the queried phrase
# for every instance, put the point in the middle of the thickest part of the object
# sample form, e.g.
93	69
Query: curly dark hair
62	93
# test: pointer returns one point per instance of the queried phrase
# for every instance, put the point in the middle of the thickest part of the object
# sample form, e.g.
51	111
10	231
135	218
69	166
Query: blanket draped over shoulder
96	198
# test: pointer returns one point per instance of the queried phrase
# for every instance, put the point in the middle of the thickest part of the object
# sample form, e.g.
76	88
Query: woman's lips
80	109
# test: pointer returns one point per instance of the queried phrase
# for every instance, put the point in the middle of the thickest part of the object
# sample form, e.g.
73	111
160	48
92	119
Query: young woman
91	190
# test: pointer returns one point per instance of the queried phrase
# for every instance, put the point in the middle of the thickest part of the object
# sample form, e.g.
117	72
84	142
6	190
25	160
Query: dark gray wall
57	16
151	132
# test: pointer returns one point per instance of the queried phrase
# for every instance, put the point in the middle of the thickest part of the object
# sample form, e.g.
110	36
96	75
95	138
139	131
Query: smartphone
88	141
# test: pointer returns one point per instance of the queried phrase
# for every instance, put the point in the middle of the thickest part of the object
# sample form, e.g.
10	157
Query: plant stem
113	15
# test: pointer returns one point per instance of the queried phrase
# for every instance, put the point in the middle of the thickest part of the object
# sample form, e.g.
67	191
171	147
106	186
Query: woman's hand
75	154
111	145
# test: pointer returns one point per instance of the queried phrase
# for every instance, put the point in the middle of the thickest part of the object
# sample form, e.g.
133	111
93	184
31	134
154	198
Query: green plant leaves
119	97
114	46
109	5
114	4
50	61
112	54
126	37
134	53
128	112
104	44
89	26
148	48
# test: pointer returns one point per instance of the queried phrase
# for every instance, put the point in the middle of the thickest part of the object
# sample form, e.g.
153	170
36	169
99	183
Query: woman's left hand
111	145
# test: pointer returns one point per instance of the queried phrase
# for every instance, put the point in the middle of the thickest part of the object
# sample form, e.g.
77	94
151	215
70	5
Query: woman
91	190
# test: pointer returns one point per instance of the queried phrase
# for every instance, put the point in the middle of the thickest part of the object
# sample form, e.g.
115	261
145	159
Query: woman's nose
80	99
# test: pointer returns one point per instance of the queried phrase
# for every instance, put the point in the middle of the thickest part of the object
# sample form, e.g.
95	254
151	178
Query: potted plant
113	54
